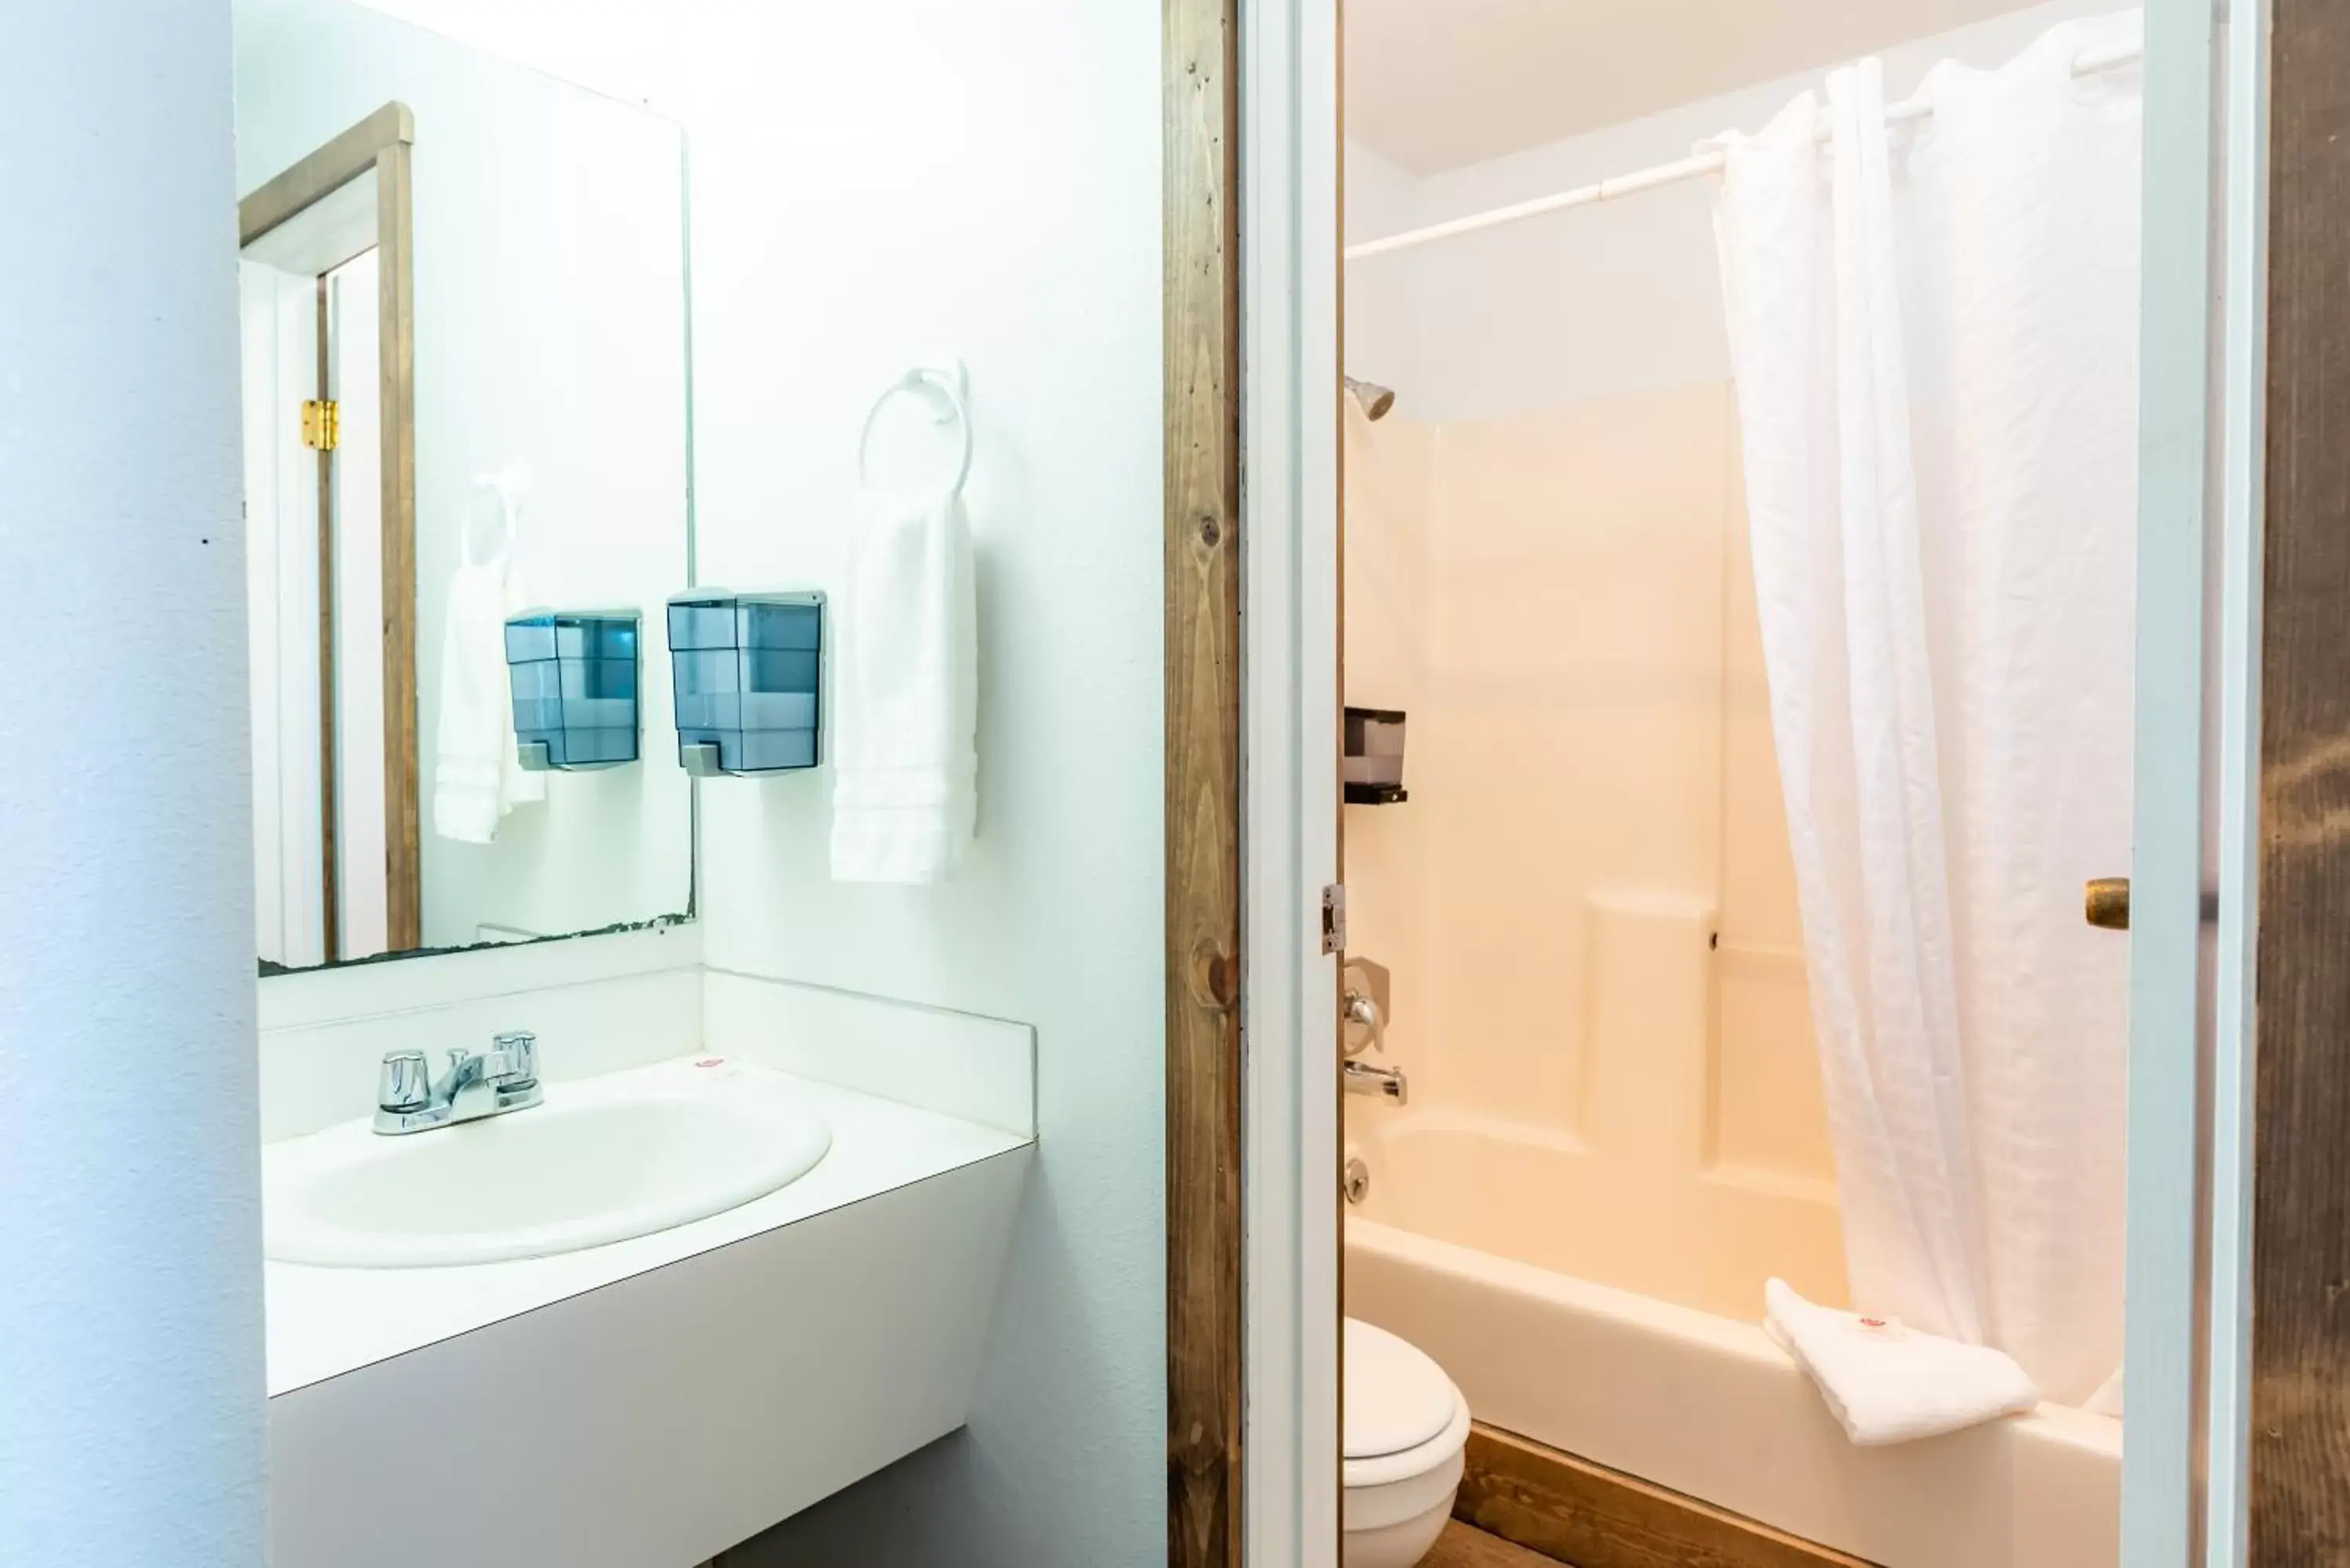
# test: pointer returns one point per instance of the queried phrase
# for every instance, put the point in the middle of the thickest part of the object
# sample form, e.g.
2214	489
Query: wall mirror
463	304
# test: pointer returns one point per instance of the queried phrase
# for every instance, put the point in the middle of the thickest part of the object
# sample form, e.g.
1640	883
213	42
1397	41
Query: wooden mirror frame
382	144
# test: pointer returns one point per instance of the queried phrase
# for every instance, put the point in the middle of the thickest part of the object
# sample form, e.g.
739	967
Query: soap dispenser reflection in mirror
575	688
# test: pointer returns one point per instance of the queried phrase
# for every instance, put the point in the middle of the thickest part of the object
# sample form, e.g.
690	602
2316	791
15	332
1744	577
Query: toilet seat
1392	1469
1397	1398
1405	1426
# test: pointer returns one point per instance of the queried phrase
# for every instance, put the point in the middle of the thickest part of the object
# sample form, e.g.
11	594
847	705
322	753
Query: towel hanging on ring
906	677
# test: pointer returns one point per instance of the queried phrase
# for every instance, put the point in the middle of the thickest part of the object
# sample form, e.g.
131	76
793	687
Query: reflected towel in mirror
477	777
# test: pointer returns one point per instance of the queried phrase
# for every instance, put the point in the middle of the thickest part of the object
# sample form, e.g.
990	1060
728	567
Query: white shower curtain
1934	332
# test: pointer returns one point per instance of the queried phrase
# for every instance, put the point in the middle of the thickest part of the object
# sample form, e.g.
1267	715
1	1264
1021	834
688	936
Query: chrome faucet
484	1084
1364	1007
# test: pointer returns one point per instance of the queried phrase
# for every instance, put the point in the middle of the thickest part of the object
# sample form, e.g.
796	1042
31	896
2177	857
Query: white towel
906	693
477	777
1888	1384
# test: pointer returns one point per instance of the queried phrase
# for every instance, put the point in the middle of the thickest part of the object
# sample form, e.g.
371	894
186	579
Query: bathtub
1701	1402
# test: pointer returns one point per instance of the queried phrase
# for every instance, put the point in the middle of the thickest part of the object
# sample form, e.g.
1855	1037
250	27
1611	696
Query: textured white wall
130	1333
873	186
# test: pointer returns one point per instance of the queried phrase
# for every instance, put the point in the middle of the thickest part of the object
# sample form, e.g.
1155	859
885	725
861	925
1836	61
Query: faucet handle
1364	1010
403	1083
513	1057
1365	1007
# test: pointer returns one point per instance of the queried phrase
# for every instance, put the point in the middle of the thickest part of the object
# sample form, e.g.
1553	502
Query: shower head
1373	399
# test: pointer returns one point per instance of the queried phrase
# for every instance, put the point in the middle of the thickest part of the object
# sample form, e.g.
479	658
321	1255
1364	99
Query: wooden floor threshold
1570	1510
1463	1547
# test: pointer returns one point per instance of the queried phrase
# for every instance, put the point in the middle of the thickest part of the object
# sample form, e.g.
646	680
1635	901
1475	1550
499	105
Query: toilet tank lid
1396	1398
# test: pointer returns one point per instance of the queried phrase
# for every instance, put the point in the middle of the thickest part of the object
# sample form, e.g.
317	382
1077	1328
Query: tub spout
1363	1079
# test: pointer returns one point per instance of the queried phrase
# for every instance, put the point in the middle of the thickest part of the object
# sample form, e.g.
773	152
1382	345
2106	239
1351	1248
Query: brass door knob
2106	901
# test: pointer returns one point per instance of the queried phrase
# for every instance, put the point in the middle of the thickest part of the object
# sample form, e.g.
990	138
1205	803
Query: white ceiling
1435	83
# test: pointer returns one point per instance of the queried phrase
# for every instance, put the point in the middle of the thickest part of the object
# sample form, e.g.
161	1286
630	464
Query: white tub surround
1709	1407
1648	1214
662	1397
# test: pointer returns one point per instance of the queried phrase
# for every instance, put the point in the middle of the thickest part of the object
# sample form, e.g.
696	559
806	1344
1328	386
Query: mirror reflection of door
331	883
314	584
480	270
356	870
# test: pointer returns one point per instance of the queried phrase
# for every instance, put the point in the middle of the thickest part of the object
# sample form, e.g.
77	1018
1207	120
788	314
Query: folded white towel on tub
1888	1383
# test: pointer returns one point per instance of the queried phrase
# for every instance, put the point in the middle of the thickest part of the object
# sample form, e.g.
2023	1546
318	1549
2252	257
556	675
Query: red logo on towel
712	1062
1872	1323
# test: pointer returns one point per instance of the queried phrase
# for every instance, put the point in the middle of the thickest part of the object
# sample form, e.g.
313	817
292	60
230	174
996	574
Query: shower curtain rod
2091	63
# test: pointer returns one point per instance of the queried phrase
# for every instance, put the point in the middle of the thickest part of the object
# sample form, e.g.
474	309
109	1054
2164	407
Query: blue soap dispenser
748	671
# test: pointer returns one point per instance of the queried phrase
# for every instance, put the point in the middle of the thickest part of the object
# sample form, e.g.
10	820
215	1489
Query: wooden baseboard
1462	1547
1571	1510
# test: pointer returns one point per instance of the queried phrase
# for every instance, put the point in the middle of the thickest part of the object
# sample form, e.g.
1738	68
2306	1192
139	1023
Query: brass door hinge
322	424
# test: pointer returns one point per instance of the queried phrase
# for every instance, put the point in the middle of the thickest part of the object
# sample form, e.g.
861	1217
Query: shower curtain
1934	331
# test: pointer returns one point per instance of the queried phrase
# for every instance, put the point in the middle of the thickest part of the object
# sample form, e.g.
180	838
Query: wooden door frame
2299	1484
382	144
1251	365
1203	523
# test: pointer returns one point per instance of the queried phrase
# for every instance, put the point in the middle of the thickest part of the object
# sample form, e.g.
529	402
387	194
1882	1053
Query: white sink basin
602	1160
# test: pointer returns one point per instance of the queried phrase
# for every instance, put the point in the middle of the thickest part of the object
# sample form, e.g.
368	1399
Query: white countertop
326	1322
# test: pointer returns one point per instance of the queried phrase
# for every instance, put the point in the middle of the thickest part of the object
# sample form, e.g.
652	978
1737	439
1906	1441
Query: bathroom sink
601	1161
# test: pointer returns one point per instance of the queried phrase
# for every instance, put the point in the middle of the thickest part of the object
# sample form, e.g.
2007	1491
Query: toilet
1406	1427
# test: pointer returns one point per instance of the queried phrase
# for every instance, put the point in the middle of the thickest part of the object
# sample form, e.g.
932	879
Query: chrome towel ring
948	386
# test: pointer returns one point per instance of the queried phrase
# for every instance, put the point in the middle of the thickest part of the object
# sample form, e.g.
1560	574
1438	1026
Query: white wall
1624	296
130	1328
551	344
872	186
